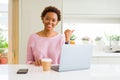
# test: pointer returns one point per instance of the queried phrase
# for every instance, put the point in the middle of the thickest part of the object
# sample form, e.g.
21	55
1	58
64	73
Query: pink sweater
42	47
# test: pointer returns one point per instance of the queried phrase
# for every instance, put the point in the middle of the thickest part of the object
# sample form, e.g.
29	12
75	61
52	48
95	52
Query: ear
42	20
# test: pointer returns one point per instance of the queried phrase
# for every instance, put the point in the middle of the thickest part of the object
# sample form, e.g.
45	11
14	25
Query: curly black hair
51	9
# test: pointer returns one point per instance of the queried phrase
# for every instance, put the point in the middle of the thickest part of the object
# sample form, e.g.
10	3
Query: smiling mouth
49	26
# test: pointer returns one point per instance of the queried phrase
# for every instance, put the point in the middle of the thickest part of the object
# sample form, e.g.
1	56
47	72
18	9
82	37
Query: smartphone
22	71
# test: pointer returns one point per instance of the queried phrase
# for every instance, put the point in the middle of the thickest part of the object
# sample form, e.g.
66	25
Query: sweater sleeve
30	57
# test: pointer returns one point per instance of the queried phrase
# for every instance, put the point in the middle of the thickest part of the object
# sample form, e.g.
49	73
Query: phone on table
22	71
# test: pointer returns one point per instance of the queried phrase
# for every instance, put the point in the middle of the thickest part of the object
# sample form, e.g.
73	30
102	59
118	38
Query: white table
96	72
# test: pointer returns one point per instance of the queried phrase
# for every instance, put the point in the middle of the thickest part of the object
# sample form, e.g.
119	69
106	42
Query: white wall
30	21
93	7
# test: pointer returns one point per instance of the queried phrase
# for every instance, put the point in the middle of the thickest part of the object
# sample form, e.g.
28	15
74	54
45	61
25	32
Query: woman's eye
47	19
53	20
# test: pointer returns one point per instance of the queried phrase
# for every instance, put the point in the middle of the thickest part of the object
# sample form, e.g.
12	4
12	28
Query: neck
48	33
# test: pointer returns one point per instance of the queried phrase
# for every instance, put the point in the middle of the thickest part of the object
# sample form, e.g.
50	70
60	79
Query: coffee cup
46	64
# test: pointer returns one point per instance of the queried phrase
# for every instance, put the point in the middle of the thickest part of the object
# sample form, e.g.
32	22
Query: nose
50	21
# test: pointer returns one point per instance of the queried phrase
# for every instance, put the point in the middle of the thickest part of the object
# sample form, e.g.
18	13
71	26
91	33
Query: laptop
74	57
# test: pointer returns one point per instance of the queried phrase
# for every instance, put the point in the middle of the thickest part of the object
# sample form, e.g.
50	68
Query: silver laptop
74	57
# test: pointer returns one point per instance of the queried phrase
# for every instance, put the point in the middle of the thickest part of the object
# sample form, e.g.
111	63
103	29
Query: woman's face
50	20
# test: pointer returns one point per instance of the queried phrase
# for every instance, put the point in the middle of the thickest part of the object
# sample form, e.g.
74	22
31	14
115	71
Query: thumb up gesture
68	34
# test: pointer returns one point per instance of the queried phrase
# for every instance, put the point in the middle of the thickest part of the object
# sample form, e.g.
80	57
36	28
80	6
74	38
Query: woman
47	42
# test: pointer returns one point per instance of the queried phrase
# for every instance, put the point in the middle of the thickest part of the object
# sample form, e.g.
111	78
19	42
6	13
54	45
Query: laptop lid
75	57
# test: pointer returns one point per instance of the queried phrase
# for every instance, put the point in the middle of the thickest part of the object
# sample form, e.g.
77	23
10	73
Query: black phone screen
22	71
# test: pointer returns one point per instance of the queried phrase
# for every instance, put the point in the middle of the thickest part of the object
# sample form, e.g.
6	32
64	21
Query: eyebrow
51	18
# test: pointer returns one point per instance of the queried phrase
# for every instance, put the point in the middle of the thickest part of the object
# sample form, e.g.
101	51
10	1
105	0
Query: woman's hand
68	34
37	63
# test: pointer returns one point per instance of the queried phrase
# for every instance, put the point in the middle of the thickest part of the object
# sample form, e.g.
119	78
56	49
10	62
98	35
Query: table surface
96	72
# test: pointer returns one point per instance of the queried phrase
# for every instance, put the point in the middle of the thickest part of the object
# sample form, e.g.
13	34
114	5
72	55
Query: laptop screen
74	57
